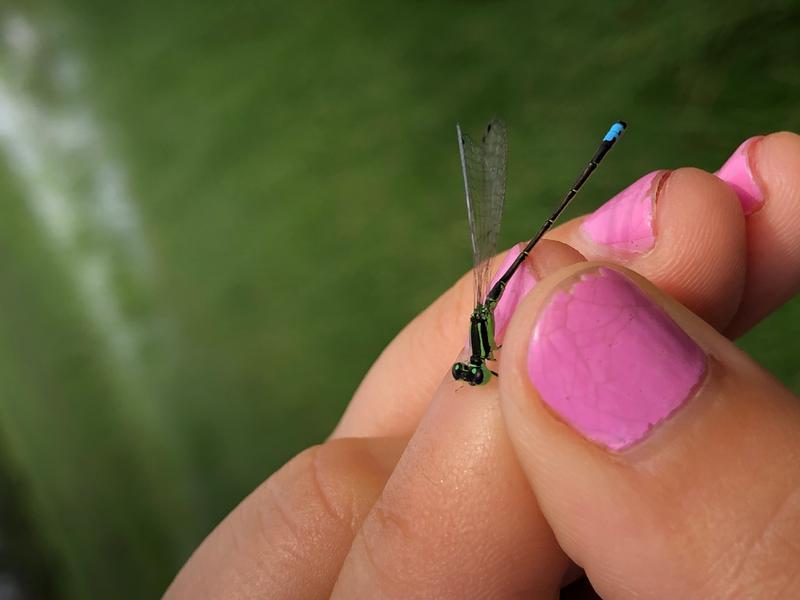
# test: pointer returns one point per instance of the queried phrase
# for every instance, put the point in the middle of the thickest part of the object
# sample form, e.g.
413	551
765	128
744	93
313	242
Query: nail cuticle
752	164
625	225
661	187
682	419
740	172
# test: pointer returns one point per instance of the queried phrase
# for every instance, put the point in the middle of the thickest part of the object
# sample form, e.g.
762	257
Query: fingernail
625	223
611	362
738	172
521	283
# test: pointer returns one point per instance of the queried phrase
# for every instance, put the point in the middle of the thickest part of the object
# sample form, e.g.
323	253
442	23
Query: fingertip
697	216
773	230
700	255
699	258
682	229
550	255
777	164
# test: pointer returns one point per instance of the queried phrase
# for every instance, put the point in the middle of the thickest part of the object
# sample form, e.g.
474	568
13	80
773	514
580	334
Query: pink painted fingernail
738	173
625	223
609	361
521	283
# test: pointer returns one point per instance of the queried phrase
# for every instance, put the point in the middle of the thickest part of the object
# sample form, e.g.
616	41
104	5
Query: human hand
582	452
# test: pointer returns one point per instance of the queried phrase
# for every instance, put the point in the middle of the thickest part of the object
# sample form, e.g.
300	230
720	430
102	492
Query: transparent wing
484	168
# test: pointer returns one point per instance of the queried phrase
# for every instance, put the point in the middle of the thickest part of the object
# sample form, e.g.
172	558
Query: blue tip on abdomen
615	131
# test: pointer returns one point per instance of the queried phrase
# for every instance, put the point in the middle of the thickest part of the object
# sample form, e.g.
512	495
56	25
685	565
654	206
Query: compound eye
477	376
458	371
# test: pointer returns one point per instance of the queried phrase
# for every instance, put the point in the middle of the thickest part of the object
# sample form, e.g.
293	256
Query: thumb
666	462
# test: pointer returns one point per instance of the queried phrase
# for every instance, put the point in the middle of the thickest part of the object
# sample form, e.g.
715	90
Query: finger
666	461
765	173
289	537
682	229
399	386
457	518
694	251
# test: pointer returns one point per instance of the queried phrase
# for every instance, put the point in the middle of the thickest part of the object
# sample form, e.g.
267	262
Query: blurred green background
215	215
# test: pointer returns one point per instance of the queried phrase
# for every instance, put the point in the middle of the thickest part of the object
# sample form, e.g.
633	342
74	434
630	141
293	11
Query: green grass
293	167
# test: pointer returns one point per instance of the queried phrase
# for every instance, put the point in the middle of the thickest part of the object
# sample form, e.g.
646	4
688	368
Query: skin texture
458	486
301	520
490	493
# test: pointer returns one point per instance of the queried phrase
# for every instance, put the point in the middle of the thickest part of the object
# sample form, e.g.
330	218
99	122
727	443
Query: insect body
481	339
483	166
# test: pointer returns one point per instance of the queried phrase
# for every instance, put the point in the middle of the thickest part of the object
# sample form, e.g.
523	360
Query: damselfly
483	166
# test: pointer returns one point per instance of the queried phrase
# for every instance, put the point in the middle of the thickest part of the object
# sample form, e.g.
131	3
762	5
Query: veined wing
483	166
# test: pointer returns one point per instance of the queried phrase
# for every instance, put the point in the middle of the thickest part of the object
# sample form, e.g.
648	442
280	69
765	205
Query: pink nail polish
737	172
625	223
609	361
521	283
